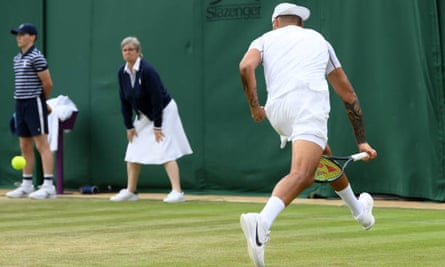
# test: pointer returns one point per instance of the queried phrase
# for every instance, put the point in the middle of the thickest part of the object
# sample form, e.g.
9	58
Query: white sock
351	201
27	182
271	210
47	182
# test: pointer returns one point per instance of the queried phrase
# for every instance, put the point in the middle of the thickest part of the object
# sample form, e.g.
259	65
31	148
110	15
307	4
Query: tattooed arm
355	116
344	89
247	66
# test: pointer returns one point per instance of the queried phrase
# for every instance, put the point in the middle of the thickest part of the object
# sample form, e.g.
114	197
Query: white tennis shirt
294	57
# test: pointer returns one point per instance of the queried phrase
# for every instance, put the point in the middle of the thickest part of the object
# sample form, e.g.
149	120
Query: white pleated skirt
145	150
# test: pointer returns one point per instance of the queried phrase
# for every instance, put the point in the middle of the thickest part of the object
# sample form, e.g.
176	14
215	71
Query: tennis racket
332	168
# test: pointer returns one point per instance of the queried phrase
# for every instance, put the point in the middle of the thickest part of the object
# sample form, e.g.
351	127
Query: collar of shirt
136	66
28	51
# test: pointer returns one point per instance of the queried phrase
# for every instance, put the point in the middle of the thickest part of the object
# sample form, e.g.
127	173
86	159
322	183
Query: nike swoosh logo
258	243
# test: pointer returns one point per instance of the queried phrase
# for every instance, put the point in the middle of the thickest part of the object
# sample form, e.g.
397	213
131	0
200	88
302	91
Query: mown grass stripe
97	232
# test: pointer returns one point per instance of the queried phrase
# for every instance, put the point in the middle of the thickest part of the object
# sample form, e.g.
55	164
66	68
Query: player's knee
305	178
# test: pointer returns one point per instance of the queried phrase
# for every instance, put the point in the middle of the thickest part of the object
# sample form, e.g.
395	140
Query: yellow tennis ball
18	162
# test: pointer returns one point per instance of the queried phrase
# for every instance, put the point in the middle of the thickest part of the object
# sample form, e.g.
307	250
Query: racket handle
359	156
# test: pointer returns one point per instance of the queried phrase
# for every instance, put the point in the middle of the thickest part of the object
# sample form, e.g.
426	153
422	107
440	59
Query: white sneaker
45	191
124	195
256	237
174	197
366	219
21	191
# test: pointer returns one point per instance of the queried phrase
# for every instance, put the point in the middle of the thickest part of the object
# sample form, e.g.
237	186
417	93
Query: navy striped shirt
26	67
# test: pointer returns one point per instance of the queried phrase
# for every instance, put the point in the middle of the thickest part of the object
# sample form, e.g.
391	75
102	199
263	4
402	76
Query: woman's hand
159	135
130	134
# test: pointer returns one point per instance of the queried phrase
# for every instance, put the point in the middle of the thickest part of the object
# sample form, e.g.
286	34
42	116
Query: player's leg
176	194
291	116
360	208
256	227
305	158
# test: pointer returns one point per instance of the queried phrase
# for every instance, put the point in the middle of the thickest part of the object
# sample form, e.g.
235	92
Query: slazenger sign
219	10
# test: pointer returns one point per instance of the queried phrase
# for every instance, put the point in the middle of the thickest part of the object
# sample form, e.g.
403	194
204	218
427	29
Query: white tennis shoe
124	195
21	191
174	197
366	219
256	237
45	191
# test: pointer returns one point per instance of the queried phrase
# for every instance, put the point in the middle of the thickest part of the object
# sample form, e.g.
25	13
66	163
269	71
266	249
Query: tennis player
296	61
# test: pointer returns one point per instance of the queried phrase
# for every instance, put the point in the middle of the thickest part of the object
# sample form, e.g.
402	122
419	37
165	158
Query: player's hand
130	134
258	113
365	147
159	135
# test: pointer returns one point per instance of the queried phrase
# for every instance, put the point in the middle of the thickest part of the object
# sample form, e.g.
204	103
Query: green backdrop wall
393	52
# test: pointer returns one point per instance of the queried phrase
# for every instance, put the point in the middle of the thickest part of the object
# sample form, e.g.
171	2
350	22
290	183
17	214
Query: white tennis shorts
145	150
301	115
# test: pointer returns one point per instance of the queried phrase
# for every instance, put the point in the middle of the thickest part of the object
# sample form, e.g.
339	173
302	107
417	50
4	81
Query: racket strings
327	170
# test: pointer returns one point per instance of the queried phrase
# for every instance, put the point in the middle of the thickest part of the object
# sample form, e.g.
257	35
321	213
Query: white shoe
174	197
21	191
124	195
45	191
366	219
256	237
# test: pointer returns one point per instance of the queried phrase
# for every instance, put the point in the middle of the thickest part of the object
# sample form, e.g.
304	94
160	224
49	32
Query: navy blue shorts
31	117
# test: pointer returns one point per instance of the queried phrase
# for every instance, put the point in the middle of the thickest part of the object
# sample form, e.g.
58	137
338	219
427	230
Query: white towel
62	108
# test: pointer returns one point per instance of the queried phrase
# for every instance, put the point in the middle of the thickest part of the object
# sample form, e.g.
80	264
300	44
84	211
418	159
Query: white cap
291	9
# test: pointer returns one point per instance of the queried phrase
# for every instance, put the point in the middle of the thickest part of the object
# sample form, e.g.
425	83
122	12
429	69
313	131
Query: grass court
93	231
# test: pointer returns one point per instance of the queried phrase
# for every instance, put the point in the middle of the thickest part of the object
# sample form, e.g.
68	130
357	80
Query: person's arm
152	84
344	89
47	83
247	67
126	108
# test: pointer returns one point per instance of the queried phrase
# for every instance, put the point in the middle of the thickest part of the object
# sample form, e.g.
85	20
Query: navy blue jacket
147	96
